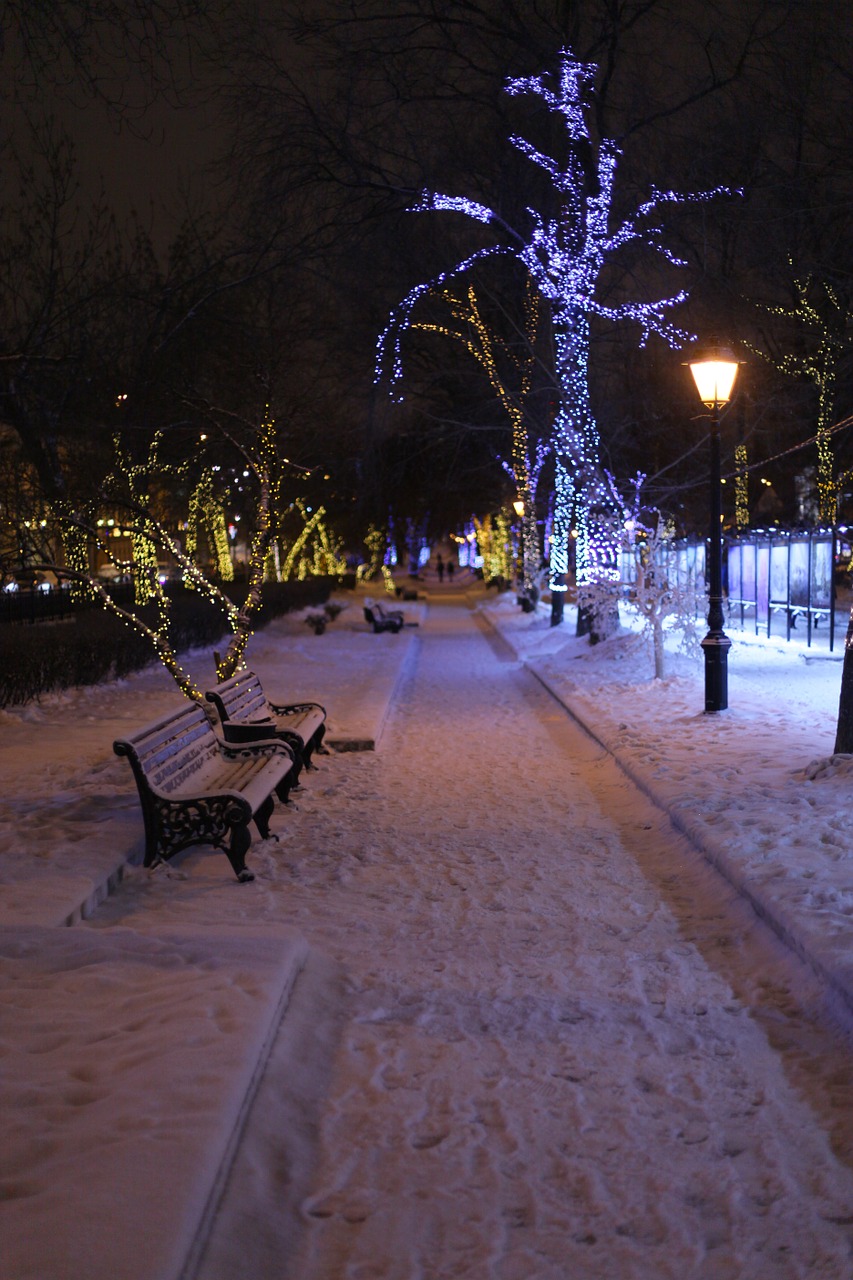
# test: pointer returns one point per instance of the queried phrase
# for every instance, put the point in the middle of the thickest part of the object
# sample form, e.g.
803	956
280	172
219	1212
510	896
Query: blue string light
565	256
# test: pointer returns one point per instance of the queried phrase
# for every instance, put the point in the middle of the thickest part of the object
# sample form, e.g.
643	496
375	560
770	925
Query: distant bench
246	715
196	790
382	619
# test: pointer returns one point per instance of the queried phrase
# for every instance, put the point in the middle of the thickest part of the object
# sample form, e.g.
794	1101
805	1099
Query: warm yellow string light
831	331
741	487
483	345
310	525
205	514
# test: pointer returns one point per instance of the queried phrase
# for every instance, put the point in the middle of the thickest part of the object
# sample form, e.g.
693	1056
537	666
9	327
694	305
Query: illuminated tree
494	542
663	595
207	517
564	254
827	326
510	374
128	495
376	541
315	550
741	487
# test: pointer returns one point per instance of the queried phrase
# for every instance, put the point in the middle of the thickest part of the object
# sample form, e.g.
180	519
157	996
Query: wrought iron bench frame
383	619
195	789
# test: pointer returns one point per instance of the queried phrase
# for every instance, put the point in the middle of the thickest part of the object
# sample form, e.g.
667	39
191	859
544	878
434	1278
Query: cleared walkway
536	1038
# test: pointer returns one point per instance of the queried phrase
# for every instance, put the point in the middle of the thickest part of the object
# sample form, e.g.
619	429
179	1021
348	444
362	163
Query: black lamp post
714	373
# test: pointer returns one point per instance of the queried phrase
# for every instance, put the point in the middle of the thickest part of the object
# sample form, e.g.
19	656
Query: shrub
93	646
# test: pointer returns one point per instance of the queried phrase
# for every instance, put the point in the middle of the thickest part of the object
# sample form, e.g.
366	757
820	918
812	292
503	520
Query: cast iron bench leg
236	852
262	818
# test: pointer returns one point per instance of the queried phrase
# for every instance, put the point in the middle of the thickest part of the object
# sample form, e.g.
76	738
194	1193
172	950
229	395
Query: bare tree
121	53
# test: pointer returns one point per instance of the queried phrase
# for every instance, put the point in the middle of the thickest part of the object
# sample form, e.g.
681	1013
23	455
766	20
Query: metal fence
789	576
768	578
53	604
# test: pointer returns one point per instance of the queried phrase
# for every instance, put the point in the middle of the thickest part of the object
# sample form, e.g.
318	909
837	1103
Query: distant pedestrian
439	564
450	571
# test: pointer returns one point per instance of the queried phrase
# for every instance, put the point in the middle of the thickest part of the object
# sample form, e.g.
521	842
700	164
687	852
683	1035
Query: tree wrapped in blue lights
564	256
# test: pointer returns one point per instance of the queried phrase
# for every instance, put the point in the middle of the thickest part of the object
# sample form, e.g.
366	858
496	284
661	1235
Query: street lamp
714	372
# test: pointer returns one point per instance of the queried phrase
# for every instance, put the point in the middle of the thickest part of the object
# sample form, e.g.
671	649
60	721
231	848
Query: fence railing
789	576
766	577
53	604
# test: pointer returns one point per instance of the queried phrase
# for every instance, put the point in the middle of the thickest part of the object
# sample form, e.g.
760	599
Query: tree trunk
242	624
660	652
530	549
558	603
598	614
584	627
844	733
605	620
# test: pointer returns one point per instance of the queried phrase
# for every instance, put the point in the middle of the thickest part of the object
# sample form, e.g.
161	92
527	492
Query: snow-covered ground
530	1034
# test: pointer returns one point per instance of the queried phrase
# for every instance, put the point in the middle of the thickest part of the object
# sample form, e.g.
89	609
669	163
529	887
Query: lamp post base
716	647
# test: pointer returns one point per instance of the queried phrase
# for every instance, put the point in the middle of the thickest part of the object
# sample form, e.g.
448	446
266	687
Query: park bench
382	619
246	715
195	789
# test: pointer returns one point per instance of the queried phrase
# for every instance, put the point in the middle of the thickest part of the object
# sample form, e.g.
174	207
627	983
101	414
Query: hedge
94	646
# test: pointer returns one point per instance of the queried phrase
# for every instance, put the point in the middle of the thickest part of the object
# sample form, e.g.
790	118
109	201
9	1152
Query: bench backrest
170	751
241	699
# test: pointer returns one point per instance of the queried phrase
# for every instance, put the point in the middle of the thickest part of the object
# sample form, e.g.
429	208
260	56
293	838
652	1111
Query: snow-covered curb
145	1103
750	788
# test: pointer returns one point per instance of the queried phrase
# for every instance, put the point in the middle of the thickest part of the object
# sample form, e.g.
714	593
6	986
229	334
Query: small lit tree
494	542
509	370
826	324
650	579
127	493
206	518
376	542
741	487
315	550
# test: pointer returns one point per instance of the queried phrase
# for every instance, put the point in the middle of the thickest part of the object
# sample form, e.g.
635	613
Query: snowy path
563	1048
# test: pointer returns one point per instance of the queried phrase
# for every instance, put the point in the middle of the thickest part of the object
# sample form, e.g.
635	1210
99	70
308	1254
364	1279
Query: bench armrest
239	733
293	708
269	747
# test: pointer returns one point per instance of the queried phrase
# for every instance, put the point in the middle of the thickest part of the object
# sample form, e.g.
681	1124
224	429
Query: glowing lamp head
714	371
518	507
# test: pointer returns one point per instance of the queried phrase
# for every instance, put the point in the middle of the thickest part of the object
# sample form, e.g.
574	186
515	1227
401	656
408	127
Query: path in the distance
565	1049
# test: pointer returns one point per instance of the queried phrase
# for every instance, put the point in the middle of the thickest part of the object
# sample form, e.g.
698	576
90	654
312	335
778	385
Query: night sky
285	117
